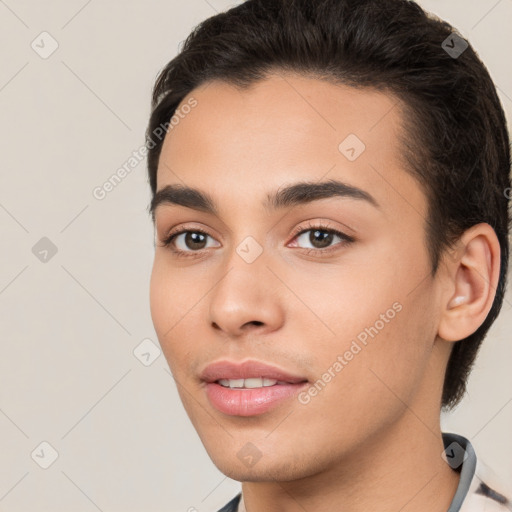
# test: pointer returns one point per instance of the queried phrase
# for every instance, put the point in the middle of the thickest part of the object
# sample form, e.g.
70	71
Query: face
320	298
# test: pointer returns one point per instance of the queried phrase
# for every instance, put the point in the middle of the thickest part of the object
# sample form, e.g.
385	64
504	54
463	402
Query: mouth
249	374
249	388
250	383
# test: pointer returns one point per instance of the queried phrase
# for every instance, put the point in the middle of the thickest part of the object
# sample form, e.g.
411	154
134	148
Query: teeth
254	383
236	383
251	383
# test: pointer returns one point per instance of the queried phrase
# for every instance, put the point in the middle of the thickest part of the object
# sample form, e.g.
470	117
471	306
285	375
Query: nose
247	298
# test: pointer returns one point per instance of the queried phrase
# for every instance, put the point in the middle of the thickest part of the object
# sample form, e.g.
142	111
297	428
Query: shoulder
486	492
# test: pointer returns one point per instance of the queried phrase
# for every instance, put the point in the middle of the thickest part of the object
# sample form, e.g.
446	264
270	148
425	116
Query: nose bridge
246	272
242	294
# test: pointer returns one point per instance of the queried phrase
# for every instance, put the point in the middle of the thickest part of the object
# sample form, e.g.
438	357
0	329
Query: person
329	194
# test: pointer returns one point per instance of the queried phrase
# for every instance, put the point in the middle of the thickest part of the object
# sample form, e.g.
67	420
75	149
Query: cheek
346	298
170	297
372	379
383	328
175	312
166	302
160	301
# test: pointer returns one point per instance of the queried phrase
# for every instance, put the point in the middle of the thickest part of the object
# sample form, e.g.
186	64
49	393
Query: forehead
285	128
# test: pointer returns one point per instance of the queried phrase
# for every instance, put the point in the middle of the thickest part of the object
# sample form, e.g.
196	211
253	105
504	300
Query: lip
249	402
245	370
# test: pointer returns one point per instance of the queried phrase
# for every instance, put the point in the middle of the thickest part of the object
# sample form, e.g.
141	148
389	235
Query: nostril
254	323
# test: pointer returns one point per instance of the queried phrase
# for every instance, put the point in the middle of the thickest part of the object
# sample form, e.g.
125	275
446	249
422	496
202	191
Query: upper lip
245	370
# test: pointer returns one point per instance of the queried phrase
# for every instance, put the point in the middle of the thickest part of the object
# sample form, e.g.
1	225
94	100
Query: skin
371	438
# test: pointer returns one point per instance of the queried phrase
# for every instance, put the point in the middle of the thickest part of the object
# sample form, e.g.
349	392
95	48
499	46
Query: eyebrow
296	194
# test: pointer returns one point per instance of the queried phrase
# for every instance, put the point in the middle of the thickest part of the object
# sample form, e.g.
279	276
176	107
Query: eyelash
346	240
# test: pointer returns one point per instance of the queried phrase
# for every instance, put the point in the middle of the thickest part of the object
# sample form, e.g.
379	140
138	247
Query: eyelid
187	226
181	229
321	224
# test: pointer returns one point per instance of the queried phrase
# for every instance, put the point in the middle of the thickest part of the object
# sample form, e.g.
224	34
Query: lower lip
250	402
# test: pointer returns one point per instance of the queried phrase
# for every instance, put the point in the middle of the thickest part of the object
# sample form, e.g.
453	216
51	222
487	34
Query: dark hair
455	139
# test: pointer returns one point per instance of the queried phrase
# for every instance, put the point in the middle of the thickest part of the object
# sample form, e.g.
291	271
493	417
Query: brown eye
194	240
320	238
187	241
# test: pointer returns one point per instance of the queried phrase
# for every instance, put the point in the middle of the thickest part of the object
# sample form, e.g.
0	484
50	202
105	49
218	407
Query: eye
320	238
187	241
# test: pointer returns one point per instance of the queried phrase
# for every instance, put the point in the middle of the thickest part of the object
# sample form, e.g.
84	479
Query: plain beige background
74	274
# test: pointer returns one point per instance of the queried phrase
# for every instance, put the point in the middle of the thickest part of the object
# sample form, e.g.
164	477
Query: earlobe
473	276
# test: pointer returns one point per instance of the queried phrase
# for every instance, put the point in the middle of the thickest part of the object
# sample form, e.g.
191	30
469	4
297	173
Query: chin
258	473
274	467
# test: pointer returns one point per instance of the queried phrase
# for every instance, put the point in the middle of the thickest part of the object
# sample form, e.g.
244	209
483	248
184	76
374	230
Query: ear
473	273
